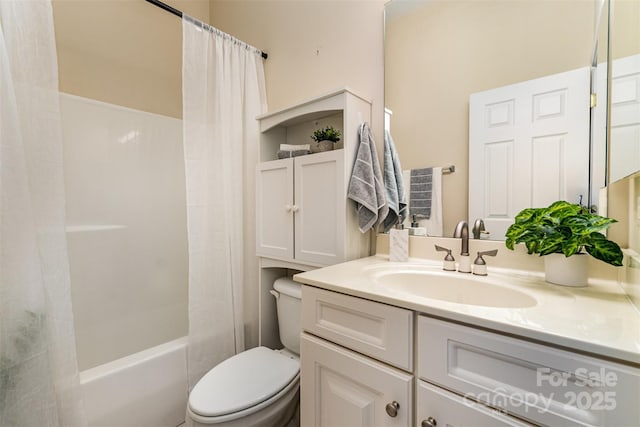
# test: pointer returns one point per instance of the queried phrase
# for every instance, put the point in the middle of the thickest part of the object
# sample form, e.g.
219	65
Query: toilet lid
242	381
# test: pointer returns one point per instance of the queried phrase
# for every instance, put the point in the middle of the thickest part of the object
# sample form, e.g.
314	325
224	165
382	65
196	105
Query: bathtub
145	389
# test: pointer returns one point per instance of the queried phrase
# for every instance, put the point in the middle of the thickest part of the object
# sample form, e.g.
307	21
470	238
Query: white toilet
258	387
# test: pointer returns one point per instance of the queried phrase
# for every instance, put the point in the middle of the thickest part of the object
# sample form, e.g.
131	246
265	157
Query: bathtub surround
39	384
126	228
148	388
222	92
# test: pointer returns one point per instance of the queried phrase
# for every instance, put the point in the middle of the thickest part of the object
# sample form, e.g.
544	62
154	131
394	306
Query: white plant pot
571	271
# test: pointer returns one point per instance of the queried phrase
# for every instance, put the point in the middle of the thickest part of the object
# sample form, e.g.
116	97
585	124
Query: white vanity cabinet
343	381
357	359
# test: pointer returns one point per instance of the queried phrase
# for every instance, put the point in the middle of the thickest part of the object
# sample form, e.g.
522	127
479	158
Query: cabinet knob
429	422
288	208
392	409
295	208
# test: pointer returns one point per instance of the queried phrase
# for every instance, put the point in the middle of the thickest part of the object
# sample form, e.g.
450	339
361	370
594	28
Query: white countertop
598	319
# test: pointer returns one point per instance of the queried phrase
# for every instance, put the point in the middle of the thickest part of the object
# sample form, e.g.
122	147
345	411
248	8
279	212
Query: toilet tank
288	304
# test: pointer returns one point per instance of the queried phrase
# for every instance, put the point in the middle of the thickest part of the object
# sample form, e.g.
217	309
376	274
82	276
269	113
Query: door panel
341	388
320	206
528	147
274	208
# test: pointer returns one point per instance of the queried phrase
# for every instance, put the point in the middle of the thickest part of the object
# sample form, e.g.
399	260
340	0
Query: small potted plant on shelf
325	139
564	234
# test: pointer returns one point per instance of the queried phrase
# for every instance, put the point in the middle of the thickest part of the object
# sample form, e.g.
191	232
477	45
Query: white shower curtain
38	368
222	93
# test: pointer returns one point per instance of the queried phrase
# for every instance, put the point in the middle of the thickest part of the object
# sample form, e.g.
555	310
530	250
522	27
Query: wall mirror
438	53
624	84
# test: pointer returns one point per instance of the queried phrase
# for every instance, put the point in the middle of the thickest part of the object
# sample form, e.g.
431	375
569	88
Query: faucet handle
479	265
449	263
448	257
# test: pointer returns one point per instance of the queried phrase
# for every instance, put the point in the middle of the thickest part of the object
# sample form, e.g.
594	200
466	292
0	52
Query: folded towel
420	193
393	185
294	147
285	154
366	187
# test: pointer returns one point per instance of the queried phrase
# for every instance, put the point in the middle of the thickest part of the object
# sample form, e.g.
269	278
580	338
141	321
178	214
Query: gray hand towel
393	185
420	193
285	154
366	187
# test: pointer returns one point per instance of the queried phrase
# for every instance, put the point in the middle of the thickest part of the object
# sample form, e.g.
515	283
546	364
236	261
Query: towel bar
449	169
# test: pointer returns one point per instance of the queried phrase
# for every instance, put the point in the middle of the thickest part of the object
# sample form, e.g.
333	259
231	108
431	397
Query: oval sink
452	287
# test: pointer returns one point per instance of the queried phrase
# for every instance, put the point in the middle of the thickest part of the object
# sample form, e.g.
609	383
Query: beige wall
124	52
314	46
441	53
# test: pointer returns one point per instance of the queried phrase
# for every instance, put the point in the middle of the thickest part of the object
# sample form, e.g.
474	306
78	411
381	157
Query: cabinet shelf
311	109
308	117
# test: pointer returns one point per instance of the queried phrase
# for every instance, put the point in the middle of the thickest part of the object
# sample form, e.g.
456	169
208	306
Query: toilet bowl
257	387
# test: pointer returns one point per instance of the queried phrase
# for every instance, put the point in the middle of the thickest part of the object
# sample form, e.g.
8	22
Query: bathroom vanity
406	344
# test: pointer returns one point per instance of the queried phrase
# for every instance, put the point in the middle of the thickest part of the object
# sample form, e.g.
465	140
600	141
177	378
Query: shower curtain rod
178	13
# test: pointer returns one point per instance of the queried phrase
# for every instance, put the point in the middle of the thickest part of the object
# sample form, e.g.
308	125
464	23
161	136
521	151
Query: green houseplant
566	229
325	139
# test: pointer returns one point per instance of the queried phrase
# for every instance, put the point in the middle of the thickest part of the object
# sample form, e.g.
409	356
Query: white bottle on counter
398	244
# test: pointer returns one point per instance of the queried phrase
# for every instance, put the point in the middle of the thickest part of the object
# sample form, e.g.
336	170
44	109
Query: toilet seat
264	375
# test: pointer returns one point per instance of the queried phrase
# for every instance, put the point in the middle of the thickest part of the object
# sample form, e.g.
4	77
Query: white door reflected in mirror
528	147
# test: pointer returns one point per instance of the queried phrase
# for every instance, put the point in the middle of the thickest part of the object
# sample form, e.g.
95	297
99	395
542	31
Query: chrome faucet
462	232
478	229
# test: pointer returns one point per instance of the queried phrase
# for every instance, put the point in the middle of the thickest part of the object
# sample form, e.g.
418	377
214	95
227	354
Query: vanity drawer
381	331
451	410
533	381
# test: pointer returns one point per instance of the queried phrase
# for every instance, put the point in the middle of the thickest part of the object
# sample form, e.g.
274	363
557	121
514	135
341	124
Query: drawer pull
429	422
392	409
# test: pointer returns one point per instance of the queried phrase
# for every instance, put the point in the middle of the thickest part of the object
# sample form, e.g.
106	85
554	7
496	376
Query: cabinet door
438	407
320	207
340	388
274	208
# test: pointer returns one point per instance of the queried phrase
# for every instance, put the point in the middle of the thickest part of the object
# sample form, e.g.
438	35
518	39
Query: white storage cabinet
302	210
303	218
